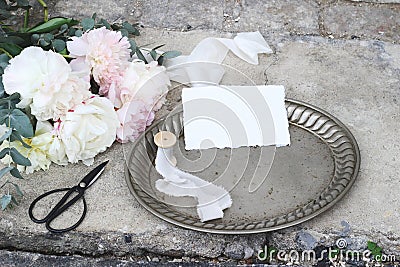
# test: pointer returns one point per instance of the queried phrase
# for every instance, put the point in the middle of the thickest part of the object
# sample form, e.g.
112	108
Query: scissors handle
32	206
61	210
60	207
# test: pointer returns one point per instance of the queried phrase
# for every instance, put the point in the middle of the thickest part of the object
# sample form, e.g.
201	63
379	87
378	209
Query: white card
234	116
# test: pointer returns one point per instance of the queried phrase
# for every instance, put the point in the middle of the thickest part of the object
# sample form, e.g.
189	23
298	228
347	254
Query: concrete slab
296	17
358	82
355	20
172	14
355	80
26	259
379	1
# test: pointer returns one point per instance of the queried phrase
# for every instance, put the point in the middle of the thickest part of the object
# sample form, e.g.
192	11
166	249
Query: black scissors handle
59	208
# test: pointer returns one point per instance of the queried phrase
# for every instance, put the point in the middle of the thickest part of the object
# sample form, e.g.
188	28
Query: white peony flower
56	152
72	92
38	153
46	82
35	74
88	129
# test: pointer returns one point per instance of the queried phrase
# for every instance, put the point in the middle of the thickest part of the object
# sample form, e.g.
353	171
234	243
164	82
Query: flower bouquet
69	89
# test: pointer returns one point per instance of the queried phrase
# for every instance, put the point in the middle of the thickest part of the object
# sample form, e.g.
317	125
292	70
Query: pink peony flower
106	52
146	82
134	117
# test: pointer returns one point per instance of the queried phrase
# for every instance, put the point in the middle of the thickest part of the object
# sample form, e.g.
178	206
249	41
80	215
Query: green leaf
371	245
1	87
4	113
43	43
171	54
48	37
94	16
58	45
160	60
133	45
71	32
51	25
87	24
14	200
124	32
9	101
78	33
12	39
5	170
19	192
6	135
4	152
153	54
105	23
5	201
63	52
158	46
140	55
18	120
374	248
115	27
4	59
18	158
35	38
63	28
15	172
15	136
131	29
11	48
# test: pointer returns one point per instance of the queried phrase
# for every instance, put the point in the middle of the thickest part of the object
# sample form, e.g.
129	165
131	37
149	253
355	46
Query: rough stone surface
273	16
172	14
360	20
355	80
377	19
379	1
26	259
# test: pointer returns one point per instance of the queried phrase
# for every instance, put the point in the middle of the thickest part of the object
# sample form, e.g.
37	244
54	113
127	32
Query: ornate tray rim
297	116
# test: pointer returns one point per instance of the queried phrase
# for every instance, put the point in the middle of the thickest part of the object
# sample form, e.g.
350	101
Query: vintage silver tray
305	179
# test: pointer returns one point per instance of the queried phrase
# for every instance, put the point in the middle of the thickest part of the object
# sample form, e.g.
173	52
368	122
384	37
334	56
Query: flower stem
9	138
46	12
5	52
26	20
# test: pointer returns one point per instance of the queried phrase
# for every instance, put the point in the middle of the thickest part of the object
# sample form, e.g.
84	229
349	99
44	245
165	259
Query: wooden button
165	139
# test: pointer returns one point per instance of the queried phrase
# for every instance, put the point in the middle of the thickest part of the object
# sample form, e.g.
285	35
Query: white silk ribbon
212	199
203	66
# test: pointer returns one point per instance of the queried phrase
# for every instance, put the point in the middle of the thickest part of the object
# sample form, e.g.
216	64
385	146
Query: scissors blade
93	175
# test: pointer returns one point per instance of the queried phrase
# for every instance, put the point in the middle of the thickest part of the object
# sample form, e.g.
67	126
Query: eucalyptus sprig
154	53
18	127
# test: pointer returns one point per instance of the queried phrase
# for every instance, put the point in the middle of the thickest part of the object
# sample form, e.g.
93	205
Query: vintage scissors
63	205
